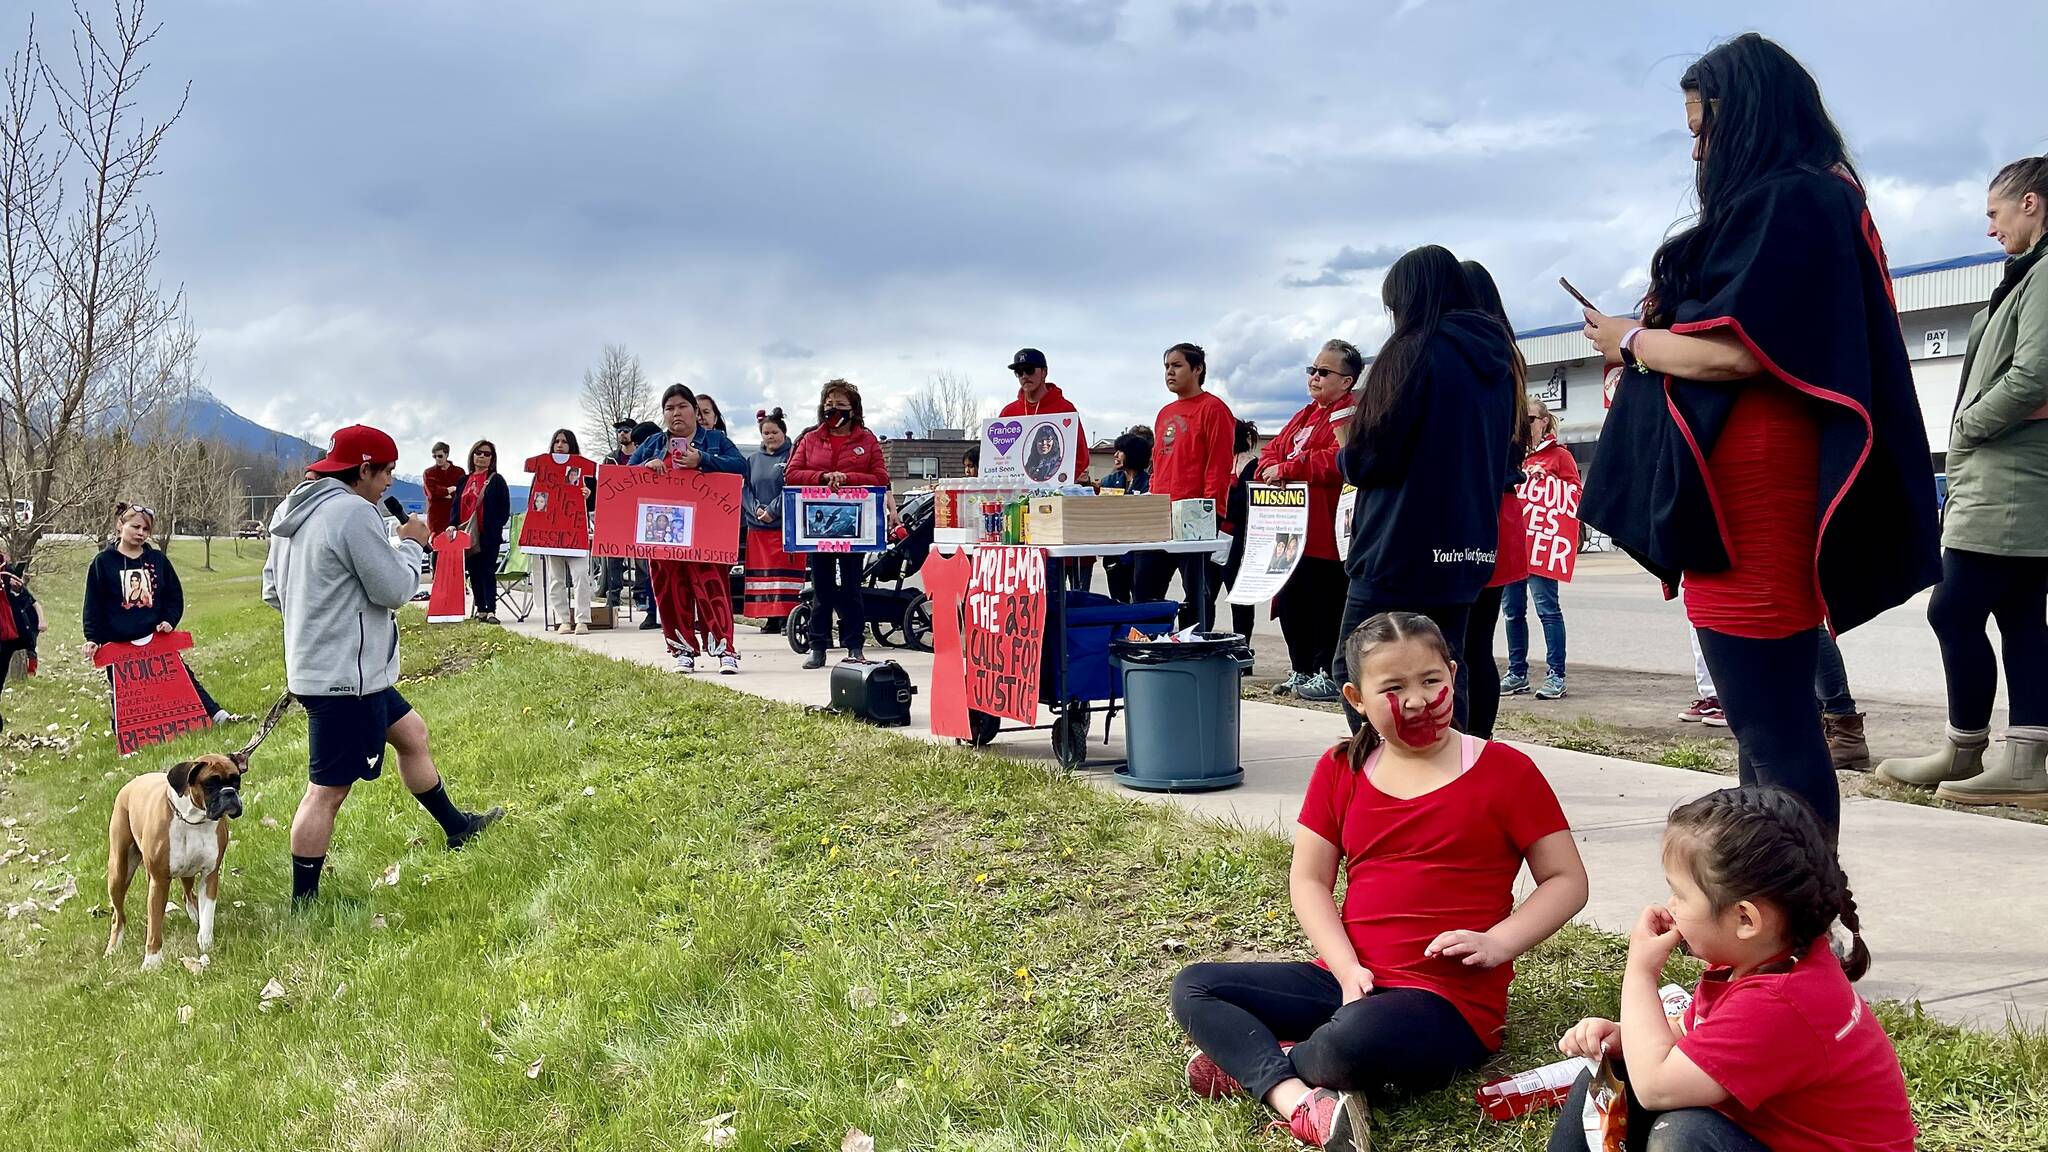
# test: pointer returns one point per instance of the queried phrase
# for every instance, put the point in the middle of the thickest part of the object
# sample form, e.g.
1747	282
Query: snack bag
1606	1115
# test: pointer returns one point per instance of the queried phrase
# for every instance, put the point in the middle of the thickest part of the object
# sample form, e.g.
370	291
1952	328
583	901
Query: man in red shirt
1036	394
1195	437
441	483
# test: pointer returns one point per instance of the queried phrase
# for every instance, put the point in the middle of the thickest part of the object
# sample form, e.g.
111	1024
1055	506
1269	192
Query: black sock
306	876
435	800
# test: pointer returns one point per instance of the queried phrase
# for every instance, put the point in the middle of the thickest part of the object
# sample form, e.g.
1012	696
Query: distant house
916	461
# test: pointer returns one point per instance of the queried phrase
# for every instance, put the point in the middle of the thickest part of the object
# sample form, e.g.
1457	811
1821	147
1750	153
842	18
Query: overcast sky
432	215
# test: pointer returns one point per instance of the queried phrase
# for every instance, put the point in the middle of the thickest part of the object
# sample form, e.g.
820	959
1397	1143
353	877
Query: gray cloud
1077	22
1224	16
786	350
1337	270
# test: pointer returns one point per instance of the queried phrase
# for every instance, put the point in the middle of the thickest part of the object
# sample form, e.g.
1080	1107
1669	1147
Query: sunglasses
138	509
1316	373
1021	370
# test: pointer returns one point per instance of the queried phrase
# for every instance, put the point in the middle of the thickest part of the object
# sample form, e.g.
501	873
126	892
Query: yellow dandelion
981	878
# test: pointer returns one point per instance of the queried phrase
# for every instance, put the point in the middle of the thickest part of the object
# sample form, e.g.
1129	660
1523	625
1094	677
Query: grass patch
810	923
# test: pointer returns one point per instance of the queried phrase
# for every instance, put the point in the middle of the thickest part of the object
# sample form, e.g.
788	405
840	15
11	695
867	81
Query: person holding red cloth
441	481
1035	395
693	598
1195	438
839	452
1305	452
1765	449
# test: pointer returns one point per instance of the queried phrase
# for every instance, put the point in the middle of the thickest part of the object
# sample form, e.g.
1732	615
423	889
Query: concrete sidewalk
1954	905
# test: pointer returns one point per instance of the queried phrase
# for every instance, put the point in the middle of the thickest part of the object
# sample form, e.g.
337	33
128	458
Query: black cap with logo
1026	359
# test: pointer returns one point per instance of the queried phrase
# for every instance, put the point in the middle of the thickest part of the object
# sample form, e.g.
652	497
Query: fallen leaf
184	1013
195	964
238	904
533	1069
339	990
590	791
376	921
390	877
1172	945
860	999
857	1141
572	725
65	891
718	1131
271	994
268	821
898	1018
9	821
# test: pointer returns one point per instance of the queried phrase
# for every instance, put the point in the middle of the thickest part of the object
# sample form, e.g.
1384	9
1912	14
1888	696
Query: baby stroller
897	617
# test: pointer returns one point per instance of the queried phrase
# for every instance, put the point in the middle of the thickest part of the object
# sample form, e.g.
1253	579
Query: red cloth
694	602
1193	444
440	505
774	577
1306	453
858	454
1764	476
1444	860
1512	564
472	496
1806	1065
1051	400
556	513
444	600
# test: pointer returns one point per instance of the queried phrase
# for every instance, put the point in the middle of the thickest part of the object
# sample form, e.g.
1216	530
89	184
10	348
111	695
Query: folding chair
515	574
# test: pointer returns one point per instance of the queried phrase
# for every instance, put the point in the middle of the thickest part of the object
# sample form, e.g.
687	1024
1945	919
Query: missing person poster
1003	635
679	514
1031	450
1550	508
835	519
154	699
1346	501
1275	530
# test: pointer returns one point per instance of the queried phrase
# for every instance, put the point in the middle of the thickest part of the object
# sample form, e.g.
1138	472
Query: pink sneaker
1210	1082
1331	1120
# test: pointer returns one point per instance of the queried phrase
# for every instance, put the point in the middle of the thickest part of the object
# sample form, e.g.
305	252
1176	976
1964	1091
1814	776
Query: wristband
1628	355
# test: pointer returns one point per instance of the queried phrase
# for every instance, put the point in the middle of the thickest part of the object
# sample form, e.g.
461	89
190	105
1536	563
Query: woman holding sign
839	453
1305	452
558	517
1548	463
131	591
774	578
693	598
1765	447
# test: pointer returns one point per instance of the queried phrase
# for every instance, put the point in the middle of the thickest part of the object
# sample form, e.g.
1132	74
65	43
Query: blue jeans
1514	606
1831	679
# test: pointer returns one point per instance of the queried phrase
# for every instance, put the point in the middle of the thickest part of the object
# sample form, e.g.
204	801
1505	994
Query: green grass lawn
701	903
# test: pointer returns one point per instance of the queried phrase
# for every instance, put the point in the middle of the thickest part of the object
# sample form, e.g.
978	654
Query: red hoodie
1051	400
1193	443
1305	452
858	454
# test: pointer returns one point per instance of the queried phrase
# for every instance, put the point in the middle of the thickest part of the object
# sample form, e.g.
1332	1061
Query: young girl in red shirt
1777	1052
1411	985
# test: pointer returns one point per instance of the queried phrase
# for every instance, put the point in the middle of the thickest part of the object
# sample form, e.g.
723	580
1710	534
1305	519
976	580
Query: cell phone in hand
1576	294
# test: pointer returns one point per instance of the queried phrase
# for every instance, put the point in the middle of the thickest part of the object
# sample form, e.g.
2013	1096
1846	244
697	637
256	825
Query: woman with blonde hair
1546	457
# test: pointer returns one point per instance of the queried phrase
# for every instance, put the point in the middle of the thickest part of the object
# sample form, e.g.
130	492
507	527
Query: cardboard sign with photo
1031	450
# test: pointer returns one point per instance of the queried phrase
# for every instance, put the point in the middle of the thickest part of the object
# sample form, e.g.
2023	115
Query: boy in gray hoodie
339	583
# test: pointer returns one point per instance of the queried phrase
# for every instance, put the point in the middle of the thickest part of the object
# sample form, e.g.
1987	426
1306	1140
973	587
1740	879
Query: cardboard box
1194	520
1094	520
601	616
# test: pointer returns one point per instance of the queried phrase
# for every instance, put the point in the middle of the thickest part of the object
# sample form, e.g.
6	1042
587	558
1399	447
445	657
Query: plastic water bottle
1531	1091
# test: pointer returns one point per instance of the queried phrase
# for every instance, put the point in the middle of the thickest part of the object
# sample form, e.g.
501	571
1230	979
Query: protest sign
1031	451
1275	531
1346	501
557	512
1550	511
154	699
945	583
1004	633
834	519
680	514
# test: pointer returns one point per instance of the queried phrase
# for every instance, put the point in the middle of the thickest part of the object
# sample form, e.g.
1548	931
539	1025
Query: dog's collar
184	809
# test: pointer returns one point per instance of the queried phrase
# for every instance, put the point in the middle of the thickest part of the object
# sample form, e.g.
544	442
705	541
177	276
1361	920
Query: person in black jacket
482	510
21	620
1428	453
1237	507
131	590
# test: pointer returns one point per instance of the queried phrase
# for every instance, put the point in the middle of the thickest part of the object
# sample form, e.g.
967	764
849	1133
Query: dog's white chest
195	848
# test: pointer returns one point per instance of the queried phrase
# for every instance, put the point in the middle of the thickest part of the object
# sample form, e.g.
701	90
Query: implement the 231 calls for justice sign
1004	631
1275	531
1031	450
154	699
816	519
557	516
679	514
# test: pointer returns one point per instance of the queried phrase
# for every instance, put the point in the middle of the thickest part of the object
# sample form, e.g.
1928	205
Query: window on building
923	467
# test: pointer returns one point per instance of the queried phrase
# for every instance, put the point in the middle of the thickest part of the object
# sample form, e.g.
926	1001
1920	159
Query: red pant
694	601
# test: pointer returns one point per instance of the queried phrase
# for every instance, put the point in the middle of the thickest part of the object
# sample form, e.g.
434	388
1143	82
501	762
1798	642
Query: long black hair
1486	298
1760	114
717	413
1420	287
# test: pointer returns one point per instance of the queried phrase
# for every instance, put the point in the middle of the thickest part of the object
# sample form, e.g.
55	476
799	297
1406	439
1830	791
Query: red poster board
1004	631
154	699
1550	508
945	582
557	514
680	514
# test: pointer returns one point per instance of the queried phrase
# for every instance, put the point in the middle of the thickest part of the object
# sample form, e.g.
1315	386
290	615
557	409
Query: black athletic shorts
345	735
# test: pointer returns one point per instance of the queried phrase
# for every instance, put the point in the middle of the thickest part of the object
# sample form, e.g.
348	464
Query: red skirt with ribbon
774	577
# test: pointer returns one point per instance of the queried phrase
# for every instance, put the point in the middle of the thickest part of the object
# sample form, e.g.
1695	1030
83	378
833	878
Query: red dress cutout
445	602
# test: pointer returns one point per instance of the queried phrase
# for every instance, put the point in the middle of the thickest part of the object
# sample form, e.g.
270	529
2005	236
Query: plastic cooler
1181	712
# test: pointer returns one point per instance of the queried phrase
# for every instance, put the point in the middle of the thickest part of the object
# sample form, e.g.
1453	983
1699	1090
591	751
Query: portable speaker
878	693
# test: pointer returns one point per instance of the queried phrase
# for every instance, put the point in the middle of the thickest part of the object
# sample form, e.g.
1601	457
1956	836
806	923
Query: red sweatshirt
1051	400
1305	452
1193	442
858	454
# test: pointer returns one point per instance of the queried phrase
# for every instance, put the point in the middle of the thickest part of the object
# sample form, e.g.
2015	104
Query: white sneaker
728	665
685	662
583	628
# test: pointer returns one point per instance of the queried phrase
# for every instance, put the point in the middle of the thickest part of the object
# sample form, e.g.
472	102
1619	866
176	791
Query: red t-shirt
440	505
1420	867
1052	400
1193	442
1764	473
557	518
1806	1065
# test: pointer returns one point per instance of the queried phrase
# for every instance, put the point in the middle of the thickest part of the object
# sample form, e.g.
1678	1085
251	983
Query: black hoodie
1425	529
112	614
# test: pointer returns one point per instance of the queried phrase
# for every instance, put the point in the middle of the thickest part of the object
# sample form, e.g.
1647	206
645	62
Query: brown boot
1846	746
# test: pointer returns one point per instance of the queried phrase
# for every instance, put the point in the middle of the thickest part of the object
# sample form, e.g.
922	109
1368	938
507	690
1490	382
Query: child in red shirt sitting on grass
1777	1052
1411	988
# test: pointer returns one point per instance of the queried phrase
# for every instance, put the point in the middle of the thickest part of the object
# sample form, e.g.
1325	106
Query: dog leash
270	720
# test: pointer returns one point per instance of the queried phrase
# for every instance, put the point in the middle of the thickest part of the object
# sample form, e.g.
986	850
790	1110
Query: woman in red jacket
839	453
1547	458
1305	452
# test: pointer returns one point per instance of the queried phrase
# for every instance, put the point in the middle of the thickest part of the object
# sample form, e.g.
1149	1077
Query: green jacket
1997	456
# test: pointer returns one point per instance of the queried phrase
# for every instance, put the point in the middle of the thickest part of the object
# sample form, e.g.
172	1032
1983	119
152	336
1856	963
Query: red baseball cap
354	446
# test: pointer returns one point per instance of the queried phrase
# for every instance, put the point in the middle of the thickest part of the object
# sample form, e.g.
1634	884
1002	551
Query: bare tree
615	390
90	344
947	400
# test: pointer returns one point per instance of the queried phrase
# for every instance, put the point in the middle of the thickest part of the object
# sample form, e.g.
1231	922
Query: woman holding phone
1765	451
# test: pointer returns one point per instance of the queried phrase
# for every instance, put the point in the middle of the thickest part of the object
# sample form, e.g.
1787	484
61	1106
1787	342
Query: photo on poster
666	524
833	519
1046	457
819	519
1286	550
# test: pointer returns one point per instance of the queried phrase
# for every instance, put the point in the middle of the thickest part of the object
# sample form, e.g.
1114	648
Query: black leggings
483	580
2014	591
1395	1040
1766	689
1311	604
835	589
1482	675
1450	620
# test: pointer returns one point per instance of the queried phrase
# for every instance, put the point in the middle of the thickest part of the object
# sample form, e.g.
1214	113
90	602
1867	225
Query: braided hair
1377	631
1761	843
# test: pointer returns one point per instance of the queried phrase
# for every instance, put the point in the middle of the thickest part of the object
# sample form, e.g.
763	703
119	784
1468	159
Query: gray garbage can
1181	718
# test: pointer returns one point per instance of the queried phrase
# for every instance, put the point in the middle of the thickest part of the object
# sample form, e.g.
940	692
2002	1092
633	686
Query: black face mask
837	416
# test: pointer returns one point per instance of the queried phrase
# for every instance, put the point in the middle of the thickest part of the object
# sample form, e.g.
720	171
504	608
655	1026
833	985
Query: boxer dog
175	825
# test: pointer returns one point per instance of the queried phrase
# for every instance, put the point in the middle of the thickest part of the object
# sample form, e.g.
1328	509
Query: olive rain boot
2016	774
1960	760
1846	746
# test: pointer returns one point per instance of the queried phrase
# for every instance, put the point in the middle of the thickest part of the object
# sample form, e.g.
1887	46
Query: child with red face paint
1411	985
